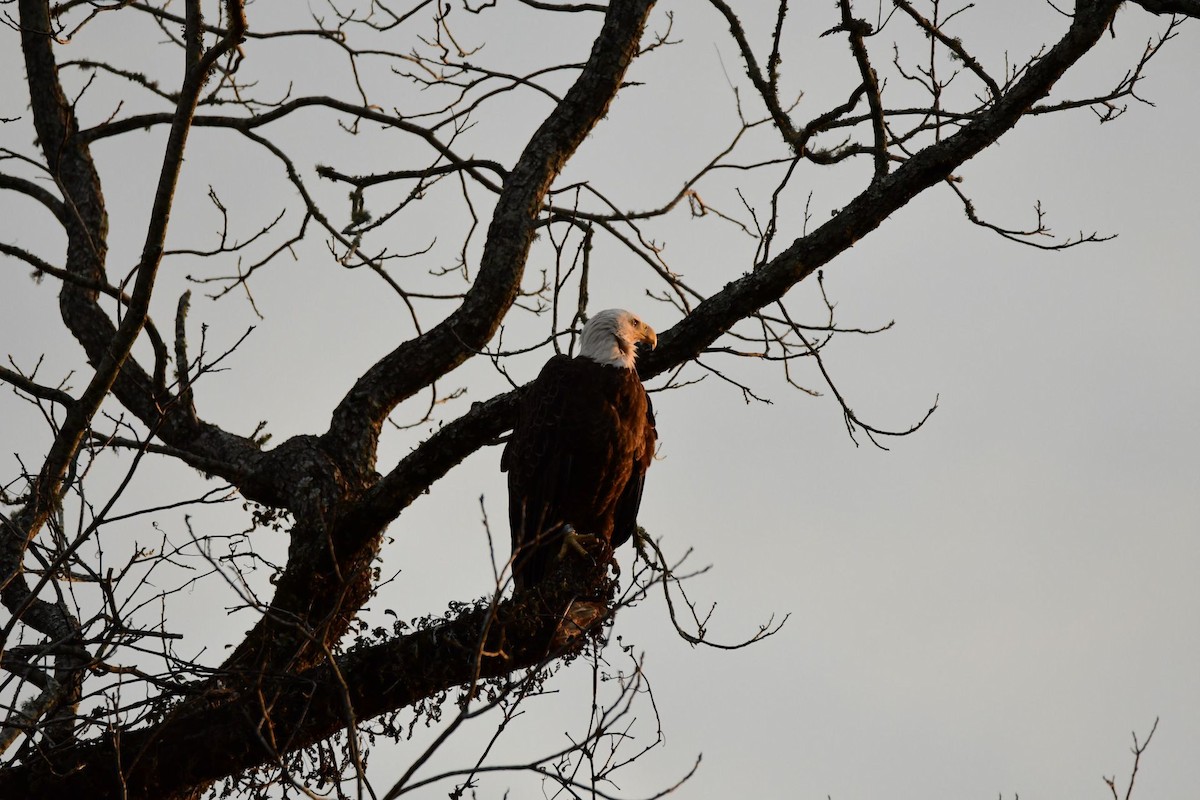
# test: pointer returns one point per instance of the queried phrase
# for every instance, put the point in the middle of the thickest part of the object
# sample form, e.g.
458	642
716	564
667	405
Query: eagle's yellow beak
647	339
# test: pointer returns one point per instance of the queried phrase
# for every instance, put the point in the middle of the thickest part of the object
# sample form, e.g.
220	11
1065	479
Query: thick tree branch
717	314
168	759
858	30
418	362
1189	8
328	574
69	161
437	455
765	86
72	166
868	210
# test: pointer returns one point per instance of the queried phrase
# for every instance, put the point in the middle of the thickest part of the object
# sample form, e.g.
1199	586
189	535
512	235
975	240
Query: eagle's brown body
578	456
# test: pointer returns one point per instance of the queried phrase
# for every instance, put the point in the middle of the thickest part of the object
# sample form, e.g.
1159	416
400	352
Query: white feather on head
610	337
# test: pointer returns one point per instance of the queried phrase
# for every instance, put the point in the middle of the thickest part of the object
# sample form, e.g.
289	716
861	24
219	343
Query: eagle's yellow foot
574	541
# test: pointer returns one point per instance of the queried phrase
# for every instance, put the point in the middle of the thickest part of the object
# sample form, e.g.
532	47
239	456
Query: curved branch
354	429
71	164
953	45
766	88
36	389
437	455
42	267
31	189
1189	8
869	209
485	422
69	161
244	124
858	30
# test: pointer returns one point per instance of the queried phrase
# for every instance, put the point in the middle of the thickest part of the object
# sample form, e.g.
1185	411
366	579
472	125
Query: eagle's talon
574	541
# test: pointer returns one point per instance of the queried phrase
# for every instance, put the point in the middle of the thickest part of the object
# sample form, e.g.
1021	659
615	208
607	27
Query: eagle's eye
637	323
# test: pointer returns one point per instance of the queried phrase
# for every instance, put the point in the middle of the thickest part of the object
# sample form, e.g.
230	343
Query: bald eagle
578	455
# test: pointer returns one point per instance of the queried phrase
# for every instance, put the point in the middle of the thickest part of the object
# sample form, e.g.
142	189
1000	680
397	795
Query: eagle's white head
611	337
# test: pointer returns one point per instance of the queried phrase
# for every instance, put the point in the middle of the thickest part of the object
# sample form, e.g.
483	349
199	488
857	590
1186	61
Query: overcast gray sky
989	608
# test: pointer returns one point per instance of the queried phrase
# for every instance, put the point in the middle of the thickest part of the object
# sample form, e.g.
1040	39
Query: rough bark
223	732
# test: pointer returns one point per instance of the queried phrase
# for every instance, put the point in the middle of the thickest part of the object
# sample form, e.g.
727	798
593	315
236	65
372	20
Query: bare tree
101	698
